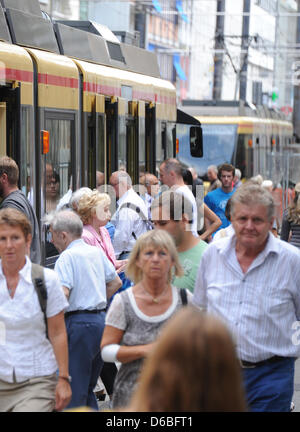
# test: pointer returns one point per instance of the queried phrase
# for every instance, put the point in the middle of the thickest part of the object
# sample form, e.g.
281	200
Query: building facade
250	55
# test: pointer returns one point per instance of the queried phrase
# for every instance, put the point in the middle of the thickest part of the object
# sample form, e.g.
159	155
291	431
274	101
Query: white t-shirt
24	347
186	191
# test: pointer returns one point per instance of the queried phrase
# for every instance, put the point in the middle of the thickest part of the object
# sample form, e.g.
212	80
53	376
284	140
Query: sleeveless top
140	330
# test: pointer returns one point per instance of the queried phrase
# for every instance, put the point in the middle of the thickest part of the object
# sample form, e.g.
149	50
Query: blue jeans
270	387
85	362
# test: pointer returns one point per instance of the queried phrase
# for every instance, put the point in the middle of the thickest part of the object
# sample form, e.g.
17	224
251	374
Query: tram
257	141
75	104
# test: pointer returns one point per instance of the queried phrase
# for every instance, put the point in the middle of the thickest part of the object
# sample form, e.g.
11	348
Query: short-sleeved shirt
187	192
25	351
190	261
85	270
261	307
216	201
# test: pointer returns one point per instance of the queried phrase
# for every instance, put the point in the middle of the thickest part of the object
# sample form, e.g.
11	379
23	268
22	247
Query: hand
120	266
63	394
147	349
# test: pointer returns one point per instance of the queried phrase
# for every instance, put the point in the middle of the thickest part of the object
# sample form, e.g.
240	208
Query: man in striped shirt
251	280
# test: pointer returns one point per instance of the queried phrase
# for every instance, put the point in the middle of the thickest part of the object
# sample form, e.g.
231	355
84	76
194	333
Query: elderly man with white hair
89	279
130	217
237	178
212	175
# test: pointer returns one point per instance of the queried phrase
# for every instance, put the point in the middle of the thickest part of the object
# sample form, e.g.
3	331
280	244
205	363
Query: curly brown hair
193	367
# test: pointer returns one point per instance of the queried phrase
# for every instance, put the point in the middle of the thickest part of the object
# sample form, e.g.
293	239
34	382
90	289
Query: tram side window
100	159
161	142
142	146
27	155
262	154
58	162
122	144
169	141
240	161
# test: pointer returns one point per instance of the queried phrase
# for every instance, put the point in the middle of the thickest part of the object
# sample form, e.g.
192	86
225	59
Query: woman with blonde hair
290	228
193	367
136	315
93	209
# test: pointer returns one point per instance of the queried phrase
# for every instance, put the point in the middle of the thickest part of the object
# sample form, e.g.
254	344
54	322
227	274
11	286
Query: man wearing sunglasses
173	212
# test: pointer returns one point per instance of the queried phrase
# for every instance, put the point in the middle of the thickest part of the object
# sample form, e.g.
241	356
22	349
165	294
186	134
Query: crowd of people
173	303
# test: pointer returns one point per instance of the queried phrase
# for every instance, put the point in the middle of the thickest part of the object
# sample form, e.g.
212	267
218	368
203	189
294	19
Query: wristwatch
66	378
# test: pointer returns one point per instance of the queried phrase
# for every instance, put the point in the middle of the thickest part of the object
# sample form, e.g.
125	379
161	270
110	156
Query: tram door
10	122
141	126
132	138
112	127
58	171
96	145
150	138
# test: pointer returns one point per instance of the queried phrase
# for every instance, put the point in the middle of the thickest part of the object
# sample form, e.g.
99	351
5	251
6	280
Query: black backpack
149	224
37	276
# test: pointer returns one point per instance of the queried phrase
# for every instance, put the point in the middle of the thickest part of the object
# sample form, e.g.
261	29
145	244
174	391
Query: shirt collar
92	230
25	271
74	243
123	198
227	244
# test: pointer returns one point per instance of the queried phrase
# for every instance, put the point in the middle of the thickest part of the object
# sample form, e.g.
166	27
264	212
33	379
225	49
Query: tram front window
218	147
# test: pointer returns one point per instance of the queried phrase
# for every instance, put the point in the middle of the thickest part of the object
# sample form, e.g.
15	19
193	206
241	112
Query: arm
199	296
125	354
58	338
112	287
120	265
215	222
66	292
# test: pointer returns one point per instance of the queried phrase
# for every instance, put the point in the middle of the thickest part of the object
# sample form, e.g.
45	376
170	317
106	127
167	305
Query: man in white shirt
151	183
170	173
251	281
130	217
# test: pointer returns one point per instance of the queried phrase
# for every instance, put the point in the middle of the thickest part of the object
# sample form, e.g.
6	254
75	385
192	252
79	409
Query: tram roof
16	66
247	124
23	23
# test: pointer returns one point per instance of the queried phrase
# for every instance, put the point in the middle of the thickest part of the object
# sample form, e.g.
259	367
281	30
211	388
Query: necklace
155	299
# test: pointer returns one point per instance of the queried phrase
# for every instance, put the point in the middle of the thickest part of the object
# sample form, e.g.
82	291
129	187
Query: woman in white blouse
28	358
137	314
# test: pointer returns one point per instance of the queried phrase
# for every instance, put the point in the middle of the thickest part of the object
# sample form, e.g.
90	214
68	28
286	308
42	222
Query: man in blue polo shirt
217	199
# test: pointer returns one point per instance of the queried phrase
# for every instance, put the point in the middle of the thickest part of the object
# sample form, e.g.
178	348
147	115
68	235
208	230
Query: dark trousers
85	362
108	375
269	388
